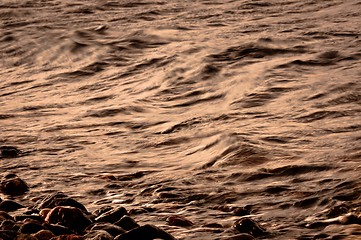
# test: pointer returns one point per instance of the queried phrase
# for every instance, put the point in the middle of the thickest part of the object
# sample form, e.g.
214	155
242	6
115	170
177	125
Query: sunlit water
215	103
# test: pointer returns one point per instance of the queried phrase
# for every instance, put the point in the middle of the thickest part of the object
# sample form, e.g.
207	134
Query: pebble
146	232
9	206
179	221
112	216
44	235
12	185
127	223
249	226
9	152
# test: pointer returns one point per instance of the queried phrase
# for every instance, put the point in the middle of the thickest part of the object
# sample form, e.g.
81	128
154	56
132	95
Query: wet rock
249	226
59	199
212	225
25	237
12	185
70	217
31	227
112	216
127	223
146	232
68	237
23	217
9	225
58	229
44	235
98	235
179	221
7	235
5	215
9	206
112	229
9	152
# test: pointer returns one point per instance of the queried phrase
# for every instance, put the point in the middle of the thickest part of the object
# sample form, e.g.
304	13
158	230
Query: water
190	105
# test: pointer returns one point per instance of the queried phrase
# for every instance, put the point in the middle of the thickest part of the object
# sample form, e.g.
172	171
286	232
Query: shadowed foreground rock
12	185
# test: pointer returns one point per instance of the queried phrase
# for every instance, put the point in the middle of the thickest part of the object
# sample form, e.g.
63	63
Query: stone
127	223
112	229
4	215
112	216
10	206
58	229
9	152
242	236
12	185
146	232
68	237
179	221
31	227
23	217
249	226
70	217
9	225
98	235
25	237
44	235
59	199
7	235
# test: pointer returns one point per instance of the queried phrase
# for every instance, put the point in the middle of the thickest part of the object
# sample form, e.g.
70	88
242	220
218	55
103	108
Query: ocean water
187	108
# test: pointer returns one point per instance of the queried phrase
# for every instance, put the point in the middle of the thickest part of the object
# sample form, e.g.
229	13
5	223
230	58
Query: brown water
191	105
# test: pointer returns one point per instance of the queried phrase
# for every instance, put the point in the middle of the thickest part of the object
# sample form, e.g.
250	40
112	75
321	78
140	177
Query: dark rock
5	215
68	237
112	216
241	211
59	199
70	217
102	210
127	223
98	235
7	234
23	217
146	232
112	229
31	227
9	225
213	225
58	229
249	226
44	235
9	206
242	236
9	152
12	185
25	237
179	221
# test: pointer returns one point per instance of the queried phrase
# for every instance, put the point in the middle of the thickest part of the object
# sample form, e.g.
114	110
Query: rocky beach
152	119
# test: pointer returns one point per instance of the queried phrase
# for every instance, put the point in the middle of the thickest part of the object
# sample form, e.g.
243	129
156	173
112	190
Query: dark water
192	106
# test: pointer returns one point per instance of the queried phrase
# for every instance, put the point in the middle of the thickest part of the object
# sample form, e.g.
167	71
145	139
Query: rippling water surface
187	107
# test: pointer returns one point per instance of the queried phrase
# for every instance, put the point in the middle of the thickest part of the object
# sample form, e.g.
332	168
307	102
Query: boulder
12	185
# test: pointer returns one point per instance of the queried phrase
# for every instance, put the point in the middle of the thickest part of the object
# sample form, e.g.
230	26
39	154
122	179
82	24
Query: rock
68	237
12	185
58	229
179	221
5	215
249	226
9	152
112	229
146	232
70	217
127	223
31	227
9	206
213	225
44	235
112	216
25	237
7	235
242	236
98	235
9	225
23	217
59	199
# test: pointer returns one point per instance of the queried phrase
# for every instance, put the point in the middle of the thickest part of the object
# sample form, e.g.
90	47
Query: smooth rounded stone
213	225
249	226
98	235
127	223
10	206
58	229
44	212
179	221
102	210
12	185
4	215
146	232
68	237
59	199
31	227
9	225
25	237
44	235
23	217
9	152
7	234
112	229
70	217
112	216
